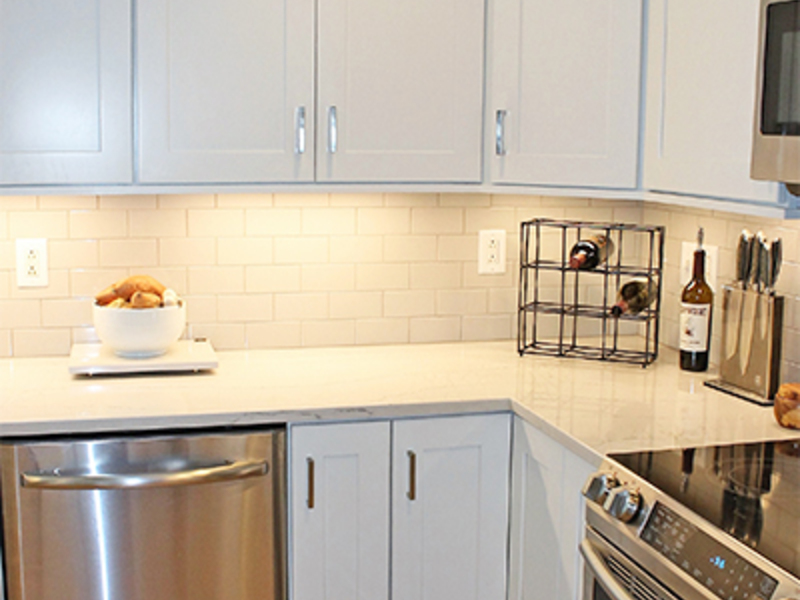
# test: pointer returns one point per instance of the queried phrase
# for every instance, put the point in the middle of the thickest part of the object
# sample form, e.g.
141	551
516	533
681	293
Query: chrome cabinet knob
623	503
599	485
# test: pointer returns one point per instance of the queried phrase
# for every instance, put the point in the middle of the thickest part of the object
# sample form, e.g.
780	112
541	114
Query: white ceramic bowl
139	332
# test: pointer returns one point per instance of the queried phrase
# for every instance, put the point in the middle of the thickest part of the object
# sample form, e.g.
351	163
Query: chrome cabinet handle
598	569
500	132
115	481
300	130
310	498
412	476
333	142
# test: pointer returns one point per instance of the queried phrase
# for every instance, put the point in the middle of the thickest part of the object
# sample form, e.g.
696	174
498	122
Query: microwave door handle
228	471
601	573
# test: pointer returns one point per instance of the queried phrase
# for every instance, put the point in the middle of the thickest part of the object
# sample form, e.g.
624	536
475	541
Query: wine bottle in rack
697	302
634	296
588	253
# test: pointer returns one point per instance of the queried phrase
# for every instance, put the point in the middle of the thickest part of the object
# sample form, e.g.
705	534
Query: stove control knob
623	503
599	485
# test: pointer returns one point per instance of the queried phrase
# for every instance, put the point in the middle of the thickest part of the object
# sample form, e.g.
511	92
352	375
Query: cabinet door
700	99
567	75
400	90
450	507
65	92
340	511
221	88
546	517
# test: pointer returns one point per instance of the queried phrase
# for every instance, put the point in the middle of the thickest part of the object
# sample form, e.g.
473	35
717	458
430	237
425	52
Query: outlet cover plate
687	262
32	262
491	251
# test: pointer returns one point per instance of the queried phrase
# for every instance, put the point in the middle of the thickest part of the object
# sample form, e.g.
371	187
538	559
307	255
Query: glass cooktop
751	491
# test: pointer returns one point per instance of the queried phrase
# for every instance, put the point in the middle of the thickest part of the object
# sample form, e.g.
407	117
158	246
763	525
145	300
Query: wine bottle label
695	319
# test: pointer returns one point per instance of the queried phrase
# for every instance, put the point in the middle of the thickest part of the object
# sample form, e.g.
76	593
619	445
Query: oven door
610	575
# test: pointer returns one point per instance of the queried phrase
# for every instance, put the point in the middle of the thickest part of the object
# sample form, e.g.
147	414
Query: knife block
752	335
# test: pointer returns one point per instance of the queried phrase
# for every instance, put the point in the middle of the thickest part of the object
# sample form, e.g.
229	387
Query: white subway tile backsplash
244	250
216	280
64	254
328	333
383	221
96	224
435	329
216	222
384	276
272	278
409	248
355	305
165	222
128	253
382	331
286	270
181	251
279	221
67	313
38	224
18	313
417	303
283	334
41	342
301	250
329	221
299	307
332	278
244	308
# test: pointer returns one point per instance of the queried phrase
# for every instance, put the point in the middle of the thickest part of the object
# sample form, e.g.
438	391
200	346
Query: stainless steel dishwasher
157	517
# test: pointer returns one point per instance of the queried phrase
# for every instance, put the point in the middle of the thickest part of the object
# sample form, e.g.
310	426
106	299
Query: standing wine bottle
697	303
590	252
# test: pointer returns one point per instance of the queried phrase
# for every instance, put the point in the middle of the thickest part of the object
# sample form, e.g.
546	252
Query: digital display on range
717	568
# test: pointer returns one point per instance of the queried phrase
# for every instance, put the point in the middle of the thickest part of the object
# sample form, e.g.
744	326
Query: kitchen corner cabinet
565	89
400	94
446	516
65	92
547	519
700	99
225	91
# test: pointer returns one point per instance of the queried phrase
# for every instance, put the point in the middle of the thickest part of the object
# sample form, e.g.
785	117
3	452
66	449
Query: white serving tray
182	356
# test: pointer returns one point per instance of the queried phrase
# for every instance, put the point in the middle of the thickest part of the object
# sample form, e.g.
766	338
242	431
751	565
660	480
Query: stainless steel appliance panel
196	517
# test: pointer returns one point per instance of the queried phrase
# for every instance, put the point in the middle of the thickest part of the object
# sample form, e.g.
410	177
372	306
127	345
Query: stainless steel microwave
776	131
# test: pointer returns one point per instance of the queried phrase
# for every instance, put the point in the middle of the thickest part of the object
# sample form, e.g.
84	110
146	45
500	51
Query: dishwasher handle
228	471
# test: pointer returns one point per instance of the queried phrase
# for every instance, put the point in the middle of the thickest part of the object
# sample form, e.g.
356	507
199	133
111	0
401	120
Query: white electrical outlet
687	262
491	251
32	262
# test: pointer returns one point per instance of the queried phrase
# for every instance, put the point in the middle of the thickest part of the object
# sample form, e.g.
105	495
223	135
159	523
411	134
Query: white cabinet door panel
700	99
220	85
340	544
65	92
406	81
567	74
450	508
546	517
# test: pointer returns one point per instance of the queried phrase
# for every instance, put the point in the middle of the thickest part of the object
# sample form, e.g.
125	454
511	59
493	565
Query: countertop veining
597	407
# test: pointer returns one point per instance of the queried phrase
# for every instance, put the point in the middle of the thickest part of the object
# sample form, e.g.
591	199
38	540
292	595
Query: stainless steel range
717	522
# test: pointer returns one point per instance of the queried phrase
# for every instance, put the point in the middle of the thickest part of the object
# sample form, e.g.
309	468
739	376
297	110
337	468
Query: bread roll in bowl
787	405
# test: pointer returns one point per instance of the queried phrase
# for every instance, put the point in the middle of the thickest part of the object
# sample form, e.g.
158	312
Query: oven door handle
601	573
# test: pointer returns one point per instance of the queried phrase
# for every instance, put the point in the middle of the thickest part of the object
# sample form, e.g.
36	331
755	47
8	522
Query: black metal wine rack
567	312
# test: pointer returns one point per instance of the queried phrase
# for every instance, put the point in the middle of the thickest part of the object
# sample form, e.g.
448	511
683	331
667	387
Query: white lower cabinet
449	509
546	517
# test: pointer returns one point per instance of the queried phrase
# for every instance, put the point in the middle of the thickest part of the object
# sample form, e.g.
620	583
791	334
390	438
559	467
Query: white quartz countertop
597	407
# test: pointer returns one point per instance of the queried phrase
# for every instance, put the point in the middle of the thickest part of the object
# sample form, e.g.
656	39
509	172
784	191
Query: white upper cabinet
222	89
65	92
700	99
565	92
400	90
